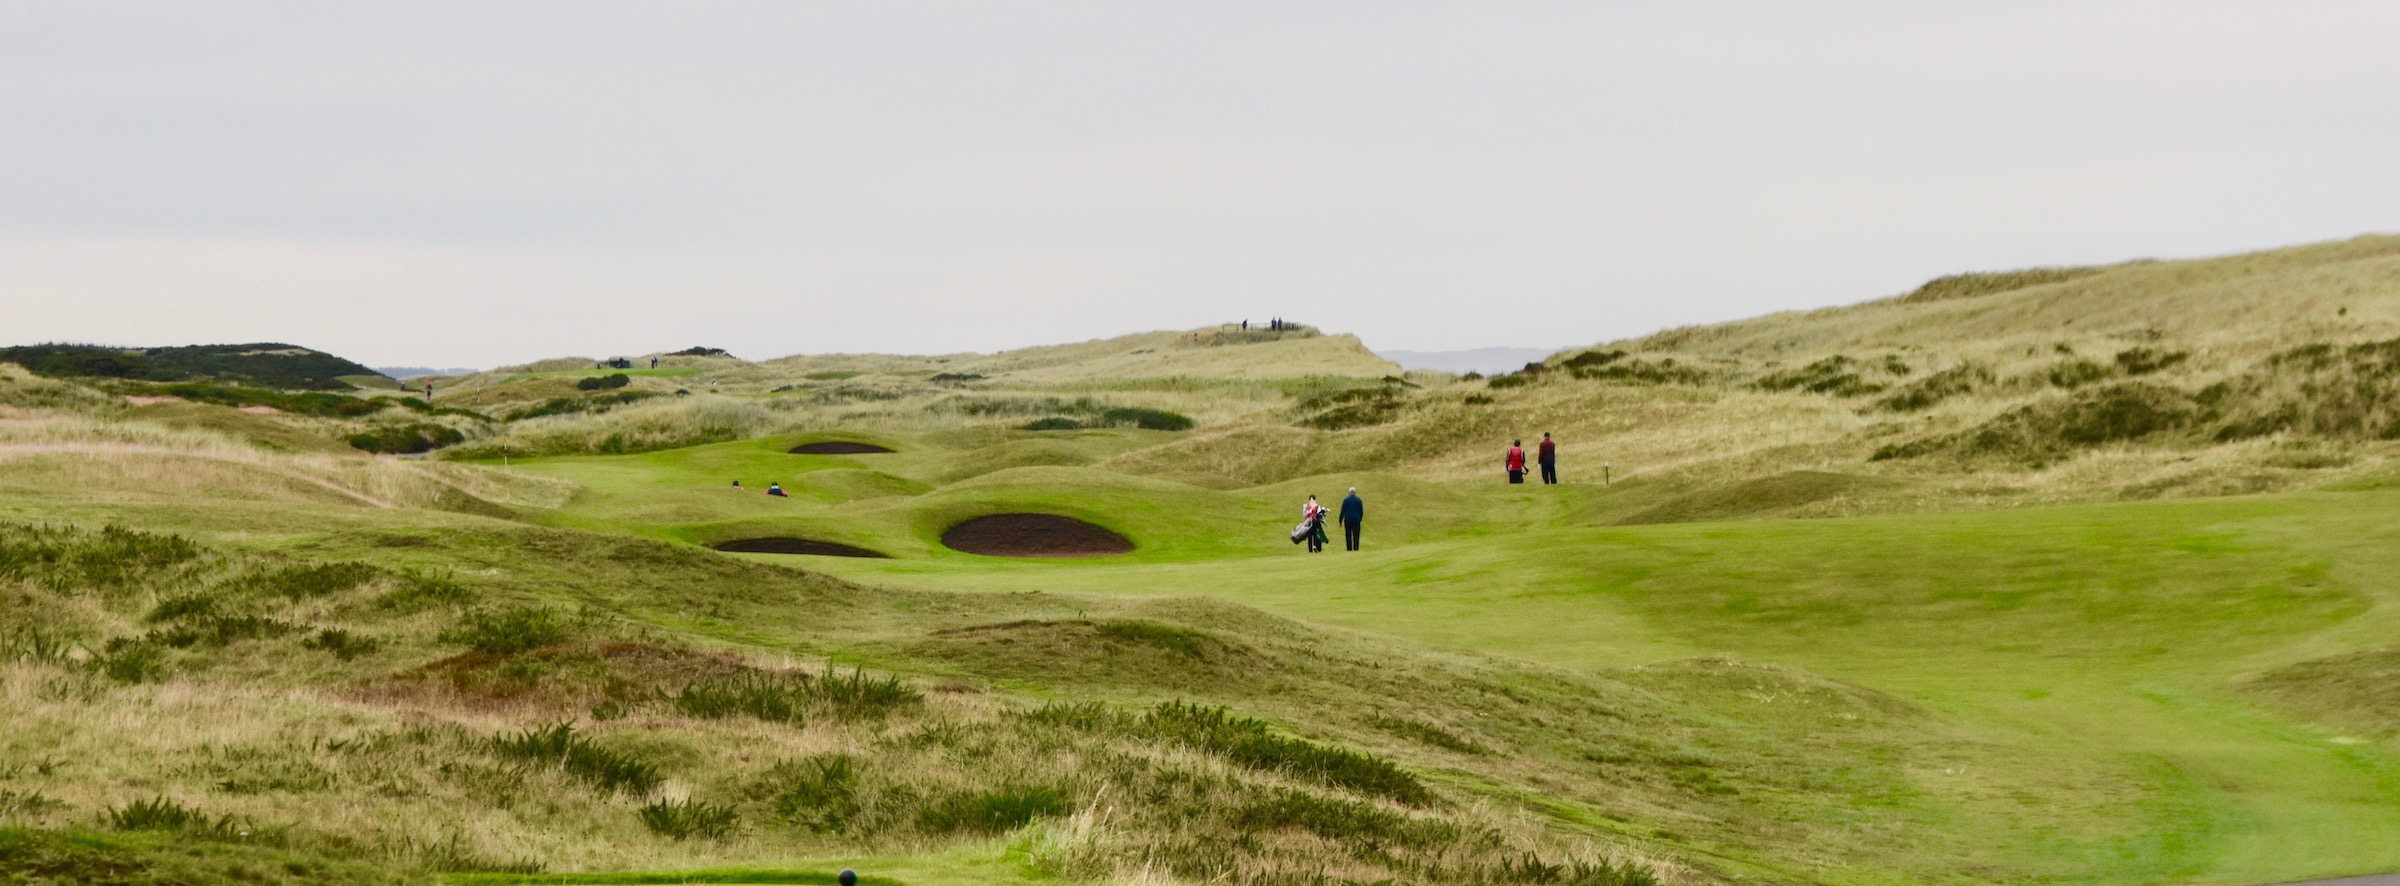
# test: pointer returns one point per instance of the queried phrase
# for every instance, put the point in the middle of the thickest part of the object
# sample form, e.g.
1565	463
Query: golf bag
1307	528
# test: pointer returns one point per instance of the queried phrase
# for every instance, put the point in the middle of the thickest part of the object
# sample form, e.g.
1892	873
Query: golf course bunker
838	447
789	545
1033	535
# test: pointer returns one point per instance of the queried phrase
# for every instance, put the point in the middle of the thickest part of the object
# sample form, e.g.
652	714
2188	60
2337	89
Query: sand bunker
787	545
1034	535
838	447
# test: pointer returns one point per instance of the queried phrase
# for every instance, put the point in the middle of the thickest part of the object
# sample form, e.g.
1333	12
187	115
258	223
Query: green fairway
2095	651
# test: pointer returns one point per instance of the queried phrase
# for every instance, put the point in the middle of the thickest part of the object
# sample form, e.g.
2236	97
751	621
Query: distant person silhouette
654	362
429	392
776	490
1516	461
1353	511
1314	515
1549	459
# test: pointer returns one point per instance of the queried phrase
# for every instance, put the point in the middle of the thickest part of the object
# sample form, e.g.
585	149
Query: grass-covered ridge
272	365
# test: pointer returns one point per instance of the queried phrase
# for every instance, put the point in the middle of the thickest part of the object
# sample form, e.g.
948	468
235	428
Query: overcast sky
483	182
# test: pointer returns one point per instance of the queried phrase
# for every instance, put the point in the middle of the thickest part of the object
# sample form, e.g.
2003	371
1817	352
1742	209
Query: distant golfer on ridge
1549	459
1353	511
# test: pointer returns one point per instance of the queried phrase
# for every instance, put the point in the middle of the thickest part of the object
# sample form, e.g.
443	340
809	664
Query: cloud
490	182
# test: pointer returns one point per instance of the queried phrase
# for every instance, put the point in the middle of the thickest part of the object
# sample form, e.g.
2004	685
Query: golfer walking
1549	458
1353	511
1516	461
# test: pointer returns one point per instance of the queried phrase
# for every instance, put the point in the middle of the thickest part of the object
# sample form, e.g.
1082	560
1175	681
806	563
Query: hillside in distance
269	364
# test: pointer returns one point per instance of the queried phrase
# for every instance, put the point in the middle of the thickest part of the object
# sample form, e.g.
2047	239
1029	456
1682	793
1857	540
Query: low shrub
420	590
221	629
1591	360
1642	372
343	644
183	606
508	631
1338	819
2321	389
603	382
991	812
454	856
576	405
2044	433
1086	716
15	804
859	695
1837	375
1247	742
558	745
1531	869
67	559
1053	423
159	814
819	793
35	646
754	695
1925	393
685	819
1144	418
314	580
2143	361
132	661
406	439
2073	374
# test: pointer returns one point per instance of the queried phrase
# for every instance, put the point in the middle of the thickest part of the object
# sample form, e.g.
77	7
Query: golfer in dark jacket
1353	511
1548	456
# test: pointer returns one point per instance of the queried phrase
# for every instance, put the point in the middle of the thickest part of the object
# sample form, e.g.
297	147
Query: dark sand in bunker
1034	535
787	545
838	447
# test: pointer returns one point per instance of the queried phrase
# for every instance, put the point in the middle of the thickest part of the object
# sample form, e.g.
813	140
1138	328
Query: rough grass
1957	286
687	819
509	630
789	697
606	770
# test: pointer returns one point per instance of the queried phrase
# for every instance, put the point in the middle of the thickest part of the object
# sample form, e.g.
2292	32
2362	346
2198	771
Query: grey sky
479	183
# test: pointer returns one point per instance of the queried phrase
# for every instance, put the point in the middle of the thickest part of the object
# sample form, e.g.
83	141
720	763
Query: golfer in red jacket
1516	461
